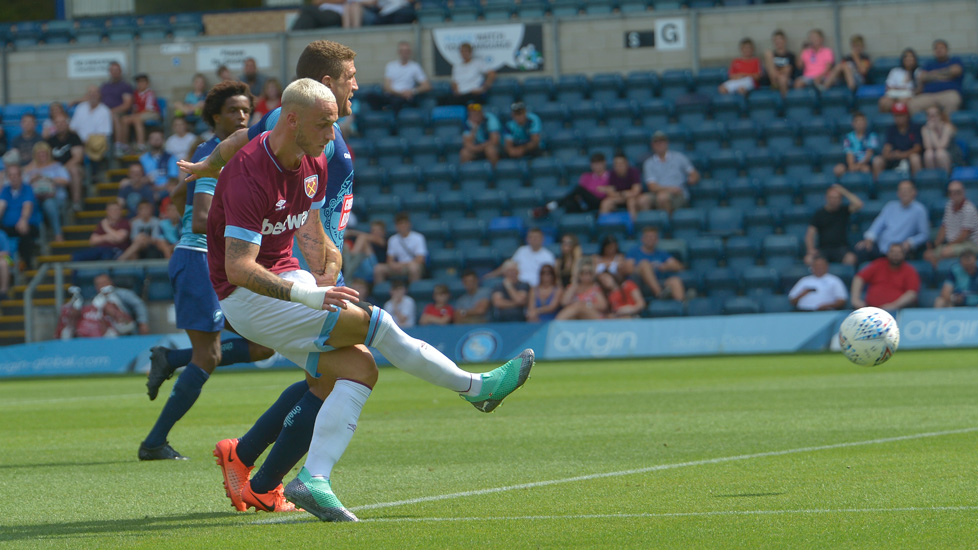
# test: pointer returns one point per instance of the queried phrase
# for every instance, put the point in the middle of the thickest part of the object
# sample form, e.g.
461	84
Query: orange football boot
236	474
272	501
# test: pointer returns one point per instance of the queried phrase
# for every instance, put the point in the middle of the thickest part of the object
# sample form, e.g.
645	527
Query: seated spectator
592	188
404	81
269	100
28	138
938	139
193	102
5	262
481	137
529	258
903	145
68	150
744	72
20	215
544	300
583	299
859	145
92	122
439	312
117	95
472	306
961	286
225	74
110	240
3	141
171	226
368	247
625	187
854	67
901	82
401	306
144	109
254	79
815	61
179	144
56	109
522	132
127	300
959	227
145	234
471	78
625	300
318	14
940	82
657	268
160	167
667	176
903	222
609	258
363	287
570	259
820	291
828	231
890	283
780	64
390	12
407	252
50	181
134	189
510	297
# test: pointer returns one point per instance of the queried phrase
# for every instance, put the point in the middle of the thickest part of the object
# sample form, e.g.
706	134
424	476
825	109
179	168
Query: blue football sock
265	431
179	357
184	395
290	446
234	351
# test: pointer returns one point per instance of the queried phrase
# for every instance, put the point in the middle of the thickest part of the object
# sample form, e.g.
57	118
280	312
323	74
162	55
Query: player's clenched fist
329	298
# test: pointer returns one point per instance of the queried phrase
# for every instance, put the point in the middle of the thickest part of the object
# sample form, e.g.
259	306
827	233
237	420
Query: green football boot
315	495
502	381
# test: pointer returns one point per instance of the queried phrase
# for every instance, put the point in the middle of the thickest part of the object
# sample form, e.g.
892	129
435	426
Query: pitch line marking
656	468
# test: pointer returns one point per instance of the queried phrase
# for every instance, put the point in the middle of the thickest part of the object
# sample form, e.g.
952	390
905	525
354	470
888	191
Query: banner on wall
502	48
93	64
210	57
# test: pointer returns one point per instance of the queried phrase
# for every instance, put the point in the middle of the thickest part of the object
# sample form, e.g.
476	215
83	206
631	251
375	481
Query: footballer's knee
259	352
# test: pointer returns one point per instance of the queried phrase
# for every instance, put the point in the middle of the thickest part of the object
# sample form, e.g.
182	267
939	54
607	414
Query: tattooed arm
321	254
211	166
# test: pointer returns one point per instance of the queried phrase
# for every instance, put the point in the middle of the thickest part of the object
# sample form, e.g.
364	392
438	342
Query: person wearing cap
522	132
144	109
471	79
903	144
667	175
481	137
941	80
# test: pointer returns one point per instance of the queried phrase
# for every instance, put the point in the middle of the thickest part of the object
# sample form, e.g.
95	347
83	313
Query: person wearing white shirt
407	252
179	142
91	116
320	13
529	258
404	81
819	291
471	79
401	306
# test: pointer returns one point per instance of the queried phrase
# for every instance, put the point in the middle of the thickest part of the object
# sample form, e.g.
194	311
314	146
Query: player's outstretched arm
211	166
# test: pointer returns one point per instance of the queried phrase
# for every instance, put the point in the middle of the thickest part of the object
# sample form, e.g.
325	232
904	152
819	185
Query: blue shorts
196	302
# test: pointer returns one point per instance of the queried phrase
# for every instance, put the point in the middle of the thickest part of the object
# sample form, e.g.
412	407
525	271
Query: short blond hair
304	93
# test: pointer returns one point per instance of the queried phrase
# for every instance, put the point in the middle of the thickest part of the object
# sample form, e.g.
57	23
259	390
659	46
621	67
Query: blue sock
265	431
290	446
234	351
179	357
184	395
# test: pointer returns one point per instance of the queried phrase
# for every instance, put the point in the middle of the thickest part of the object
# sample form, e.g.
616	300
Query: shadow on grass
62	464
146	525
747	495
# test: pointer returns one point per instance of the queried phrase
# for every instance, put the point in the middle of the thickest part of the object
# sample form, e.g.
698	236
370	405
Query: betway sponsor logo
291	223
594	343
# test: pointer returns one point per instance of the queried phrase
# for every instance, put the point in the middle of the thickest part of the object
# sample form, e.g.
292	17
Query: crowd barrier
557	340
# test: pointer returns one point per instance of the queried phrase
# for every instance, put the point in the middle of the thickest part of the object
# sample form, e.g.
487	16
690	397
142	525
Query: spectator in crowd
592	188
5	262
378	12
126	299
471	79
544	300
890	282
481	137
625	187
369	246
407	252
20	215
744	72
854	68
961	286
529	258
179	143
938	139
667	176
55	109
170	226
902	222
625	300
110	240
159	166
440	311
522	132
68	150
609	258
92	122
656	268
363	287
820	291
135	188
3	141
28	138
269	100
828	231
570	259
117	95
780	64
318	14
959	228
144	109
254	79
940	81
145	234
901	82
225	74
401	306
472	306
404	81
816	61
50	181
583	299
903	145
193	102
511	295
859	145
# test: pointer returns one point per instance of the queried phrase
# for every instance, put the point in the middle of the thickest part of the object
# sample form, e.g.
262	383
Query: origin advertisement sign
938	328
501	48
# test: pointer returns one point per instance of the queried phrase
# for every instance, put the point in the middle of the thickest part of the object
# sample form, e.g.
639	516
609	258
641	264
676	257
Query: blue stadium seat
887	182
742	252
468	228
868	95
547	173
384	203
836	103
498	12
475	176
602	138
864	218
708	193
764	105
678	135
633	6
444	258
532	9
691	109
375	125
708	79
740	305
154	27
439	177
571	88
728	108
89	30
58	31
187	25
13	111
859	183
617	222
425	150
760	280
799	162
760	222
411	122
431	12
926	272
844	272
703	306
26	34
607	87
503	93
795	220
506	226
817	133
563	8
655	113
721	282
652	218
725	164
641	85
620	113
372	177
761	162
775	303
676	248
781	250
553	117
800	104
708	136
464	11
742	193
676	83
927	296
579	224
688	223
538	90
511	174
585	115
491	198
882	67
791	274
663	308
525	198
705	253
449	112
781	134
454	203
931	178
390	151
725	221
635	144
565	145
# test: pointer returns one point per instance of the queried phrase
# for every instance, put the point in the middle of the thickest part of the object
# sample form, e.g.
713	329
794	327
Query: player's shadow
61	464
81	529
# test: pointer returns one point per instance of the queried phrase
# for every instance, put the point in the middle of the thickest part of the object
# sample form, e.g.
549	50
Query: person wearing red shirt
440	312
625	299
145	108
745	71
891	283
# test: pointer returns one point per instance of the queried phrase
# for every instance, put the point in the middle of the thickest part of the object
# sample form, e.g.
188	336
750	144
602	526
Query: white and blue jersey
335	214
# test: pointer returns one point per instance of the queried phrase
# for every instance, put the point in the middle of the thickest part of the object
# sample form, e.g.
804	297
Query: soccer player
263	198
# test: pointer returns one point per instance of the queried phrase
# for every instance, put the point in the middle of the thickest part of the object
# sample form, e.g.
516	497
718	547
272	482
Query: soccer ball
869	336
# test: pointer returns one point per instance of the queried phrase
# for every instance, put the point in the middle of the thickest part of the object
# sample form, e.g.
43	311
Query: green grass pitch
794	451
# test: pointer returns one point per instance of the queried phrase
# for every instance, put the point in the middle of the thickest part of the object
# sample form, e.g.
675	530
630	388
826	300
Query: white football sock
335	424
420	359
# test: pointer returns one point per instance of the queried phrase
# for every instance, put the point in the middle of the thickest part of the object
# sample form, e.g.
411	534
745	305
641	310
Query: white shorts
737	84
296	331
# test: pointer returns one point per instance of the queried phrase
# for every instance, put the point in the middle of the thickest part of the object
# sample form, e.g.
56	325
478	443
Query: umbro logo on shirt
280	205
